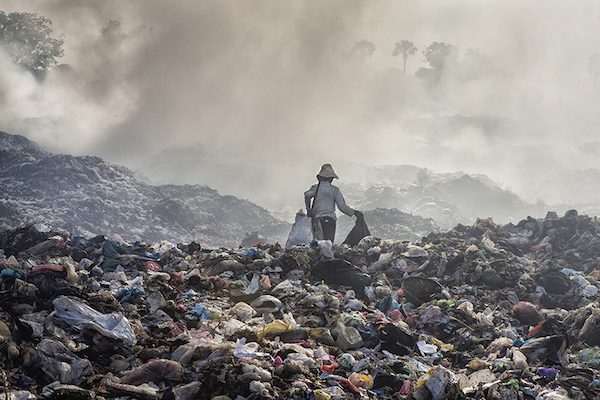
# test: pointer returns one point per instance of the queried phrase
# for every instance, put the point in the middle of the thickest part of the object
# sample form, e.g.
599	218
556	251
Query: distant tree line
27	39
438	56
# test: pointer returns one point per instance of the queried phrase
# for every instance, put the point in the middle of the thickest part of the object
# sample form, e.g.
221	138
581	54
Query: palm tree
406	48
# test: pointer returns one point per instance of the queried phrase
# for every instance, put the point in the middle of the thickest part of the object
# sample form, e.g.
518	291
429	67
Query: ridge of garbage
482	311
88	195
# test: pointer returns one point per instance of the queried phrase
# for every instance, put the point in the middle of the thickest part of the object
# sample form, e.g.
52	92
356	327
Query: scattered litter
482	311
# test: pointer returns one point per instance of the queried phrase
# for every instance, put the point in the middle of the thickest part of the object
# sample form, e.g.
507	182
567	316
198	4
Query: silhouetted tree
437	54
406	48
26	39
365	48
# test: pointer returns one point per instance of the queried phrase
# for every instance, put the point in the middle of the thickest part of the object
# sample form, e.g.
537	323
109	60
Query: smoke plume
251	97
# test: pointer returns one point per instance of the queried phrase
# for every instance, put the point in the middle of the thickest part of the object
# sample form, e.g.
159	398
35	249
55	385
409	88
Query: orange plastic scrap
535	330
329	368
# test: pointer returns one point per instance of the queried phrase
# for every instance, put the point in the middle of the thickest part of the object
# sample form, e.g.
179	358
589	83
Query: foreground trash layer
482	311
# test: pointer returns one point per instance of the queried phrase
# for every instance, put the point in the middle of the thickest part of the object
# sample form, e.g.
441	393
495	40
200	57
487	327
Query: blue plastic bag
201	312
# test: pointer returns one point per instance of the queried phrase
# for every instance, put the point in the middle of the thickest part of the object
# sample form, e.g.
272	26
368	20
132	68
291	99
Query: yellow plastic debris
275	328
445	347
361	380
476	364
320	394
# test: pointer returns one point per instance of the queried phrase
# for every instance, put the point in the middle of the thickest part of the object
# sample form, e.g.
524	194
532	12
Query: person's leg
333	226
328	225
317	228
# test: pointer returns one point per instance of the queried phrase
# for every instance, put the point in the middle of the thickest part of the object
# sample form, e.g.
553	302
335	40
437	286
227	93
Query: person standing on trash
321	200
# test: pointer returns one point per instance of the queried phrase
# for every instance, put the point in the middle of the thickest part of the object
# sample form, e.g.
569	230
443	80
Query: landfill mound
89	196
447	198
482	311
389	224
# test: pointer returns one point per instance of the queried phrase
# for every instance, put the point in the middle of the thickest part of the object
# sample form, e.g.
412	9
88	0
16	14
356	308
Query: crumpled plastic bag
82	317
247	350
347	337
155	301
60	364
426	349
361	380
590	357
590	331
266	304
242	311
301	232
232	326
358	232
440	382
275	328
419	289
341	272
18	395
326	248
200	311
254	285
381	264
553	394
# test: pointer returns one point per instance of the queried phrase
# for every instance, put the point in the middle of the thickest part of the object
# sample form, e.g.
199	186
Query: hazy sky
273	86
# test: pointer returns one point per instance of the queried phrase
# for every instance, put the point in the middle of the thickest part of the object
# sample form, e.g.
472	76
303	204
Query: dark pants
328	225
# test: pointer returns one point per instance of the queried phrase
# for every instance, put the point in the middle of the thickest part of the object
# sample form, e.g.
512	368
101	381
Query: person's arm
308	195
341	203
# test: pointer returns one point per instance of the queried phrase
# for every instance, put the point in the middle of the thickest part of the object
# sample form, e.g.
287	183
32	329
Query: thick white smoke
251	97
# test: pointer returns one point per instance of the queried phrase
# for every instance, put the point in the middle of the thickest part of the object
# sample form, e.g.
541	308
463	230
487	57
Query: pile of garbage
482	311
89	195
447	198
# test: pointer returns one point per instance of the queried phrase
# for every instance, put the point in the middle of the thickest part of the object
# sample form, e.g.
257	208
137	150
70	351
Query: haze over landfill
299	199
251	97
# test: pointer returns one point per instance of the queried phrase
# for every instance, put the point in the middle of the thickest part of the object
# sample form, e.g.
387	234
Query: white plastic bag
326	248
79	316
247	350
301	231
